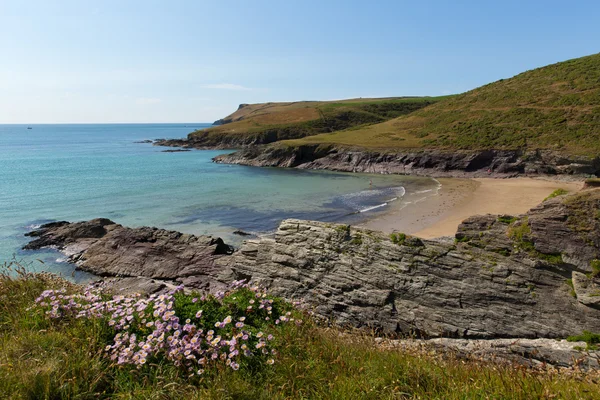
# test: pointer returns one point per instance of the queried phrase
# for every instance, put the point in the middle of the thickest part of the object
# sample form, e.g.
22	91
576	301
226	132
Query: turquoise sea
79	172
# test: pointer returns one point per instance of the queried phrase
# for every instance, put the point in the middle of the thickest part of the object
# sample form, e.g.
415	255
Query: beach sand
438	213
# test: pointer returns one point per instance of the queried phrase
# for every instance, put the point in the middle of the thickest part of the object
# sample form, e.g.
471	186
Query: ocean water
79	172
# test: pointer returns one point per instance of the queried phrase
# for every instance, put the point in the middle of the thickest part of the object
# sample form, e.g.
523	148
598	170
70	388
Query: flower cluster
232	327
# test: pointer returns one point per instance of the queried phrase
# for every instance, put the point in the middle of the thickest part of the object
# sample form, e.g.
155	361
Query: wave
372	207
371	199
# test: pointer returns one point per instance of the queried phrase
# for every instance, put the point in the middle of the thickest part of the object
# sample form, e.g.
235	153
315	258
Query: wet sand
438	213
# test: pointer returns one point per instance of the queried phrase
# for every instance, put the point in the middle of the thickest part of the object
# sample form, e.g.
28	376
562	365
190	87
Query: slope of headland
543	121
254	124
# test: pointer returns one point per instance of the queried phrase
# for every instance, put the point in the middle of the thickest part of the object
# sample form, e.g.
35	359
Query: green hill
270	122
555	107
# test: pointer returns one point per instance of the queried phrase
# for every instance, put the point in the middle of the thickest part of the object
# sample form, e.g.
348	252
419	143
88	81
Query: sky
121	61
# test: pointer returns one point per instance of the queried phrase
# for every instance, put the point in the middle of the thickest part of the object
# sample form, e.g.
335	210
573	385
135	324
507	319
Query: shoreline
440	214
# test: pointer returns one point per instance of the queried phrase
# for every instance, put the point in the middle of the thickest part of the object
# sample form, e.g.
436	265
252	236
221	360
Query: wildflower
270	361
199	314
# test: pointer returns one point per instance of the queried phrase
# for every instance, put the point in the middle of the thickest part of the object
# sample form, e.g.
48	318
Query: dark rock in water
529	276
144	141
63	233
241	233
107	249
174	151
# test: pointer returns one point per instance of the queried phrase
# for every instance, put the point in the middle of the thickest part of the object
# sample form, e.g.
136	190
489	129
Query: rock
241	233
529	352
434	290
586	289
107	249
174	151
144	141
429	162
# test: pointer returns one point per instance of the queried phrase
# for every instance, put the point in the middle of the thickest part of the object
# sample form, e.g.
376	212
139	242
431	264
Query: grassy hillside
270	122
66	357
554	107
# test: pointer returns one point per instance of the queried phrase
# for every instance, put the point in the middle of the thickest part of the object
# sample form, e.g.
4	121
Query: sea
76	172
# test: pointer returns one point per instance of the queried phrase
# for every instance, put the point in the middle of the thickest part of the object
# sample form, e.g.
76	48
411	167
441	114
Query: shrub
191	331
398	238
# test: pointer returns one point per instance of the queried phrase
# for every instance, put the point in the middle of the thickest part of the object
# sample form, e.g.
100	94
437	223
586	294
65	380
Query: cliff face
438	163
529	276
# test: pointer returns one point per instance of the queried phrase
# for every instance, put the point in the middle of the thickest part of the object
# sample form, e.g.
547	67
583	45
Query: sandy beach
438	213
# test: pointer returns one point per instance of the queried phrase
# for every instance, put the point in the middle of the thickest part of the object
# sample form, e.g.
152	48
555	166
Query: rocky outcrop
431	162
156	257
362	278
530	276
538	353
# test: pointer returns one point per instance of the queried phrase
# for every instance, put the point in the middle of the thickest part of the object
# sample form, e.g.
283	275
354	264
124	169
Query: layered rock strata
431	162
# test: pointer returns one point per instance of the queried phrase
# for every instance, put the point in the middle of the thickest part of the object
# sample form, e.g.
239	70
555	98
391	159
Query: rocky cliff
527	276
438	163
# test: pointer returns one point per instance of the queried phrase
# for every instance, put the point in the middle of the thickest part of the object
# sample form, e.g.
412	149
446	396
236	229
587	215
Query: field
556	107
270	122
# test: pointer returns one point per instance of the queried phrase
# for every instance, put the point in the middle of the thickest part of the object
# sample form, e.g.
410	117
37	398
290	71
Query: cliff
437	163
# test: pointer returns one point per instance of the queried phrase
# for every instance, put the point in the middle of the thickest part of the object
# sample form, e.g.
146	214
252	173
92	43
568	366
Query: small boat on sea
29	127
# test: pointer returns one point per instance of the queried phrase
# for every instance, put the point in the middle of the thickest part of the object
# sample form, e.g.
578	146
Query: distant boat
29	127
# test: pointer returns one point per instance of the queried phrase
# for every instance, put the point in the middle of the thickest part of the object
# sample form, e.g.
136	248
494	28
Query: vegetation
555	107
506	219
45	356
270	122
592	340
556	193
595	265
520	233
572	291
398	238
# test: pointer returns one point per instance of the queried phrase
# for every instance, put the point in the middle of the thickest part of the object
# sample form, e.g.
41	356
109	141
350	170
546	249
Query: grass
592	340
398	238
556	107
506	219
556	193
271	122
53	359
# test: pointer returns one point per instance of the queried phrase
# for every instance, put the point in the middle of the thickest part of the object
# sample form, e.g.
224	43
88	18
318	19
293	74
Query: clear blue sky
192	61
